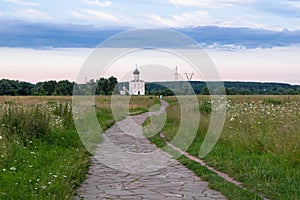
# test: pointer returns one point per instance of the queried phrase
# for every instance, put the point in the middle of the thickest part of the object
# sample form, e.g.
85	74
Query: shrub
205	107
64	112
25	123
272	101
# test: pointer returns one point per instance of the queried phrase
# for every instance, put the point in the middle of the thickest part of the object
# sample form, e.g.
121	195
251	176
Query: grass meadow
42	156
259	145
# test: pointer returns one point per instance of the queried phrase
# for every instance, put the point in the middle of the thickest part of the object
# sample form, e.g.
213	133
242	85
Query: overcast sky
268	14
259	58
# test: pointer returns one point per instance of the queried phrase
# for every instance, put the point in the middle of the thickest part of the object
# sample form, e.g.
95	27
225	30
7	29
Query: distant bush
205	107
272	101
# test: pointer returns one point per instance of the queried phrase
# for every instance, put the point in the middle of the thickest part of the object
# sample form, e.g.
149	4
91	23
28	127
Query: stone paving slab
127	166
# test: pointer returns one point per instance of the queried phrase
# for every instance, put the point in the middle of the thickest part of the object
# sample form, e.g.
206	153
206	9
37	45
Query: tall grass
25	123
259	145
262	127
37	152
41	154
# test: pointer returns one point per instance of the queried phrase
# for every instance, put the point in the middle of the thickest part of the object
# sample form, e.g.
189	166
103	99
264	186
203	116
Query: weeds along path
223	175
127	166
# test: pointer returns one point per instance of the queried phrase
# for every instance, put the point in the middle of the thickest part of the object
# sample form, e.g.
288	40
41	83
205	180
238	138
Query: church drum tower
136	86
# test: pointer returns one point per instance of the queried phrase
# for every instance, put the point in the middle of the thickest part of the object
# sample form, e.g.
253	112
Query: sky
248	40
267	14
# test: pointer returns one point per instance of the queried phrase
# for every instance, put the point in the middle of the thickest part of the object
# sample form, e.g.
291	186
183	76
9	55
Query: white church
136	86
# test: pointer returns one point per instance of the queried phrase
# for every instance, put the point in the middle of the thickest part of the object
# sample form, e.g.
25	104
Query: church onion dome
136	71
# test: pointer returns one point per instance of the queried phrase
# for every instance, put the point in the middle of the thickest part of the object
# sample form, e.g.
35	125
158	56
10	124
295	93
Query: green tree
113	85
205	91
49	87
6	88
187	89
25	88
45	88
102	86
290	91
91	86
64	87
298	90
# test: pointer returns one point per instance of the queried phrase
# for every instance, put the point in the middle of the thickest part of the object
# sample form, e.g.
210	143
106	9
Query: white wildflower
1	137
13	169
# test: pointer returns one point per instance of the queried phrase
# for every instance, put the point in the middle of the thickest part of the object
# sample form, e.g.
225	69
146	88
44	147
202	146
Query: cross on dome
136	71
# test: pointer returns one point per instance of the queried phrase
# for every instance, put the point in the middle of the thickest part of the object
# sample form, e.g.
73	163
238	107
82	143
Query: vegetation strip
225	176
106	86
41	154
259	145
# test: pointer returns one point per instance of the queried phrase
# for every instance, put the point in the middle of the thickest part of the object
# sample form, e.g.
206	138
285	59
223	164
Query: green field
42	156
259	145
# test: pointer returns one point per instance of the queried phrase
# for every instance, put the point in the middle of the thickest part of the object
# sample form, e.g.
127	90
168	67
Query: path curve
127	166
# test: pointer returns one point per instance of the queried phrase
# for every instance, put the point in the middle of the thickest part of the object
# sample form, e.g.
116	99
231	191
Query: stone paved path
127	166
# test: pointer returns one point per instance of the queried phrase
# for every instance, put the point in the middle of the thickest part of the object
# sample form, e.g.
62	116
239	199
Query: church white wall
137	87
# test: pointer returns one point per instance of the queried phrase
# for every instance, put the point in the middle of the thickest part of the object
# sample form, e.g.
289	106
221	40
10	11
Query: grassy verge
46	168
230	190
259	145
42	156
139	105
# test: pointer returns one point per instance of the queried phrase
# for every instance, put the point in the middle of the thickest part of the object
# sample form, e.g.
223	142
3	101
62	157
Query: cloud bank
43	35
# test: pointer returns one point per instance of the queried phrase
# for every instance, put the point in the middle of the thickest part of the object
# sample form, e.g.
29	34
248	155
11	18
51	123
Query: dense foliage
231	88
102	86
10	87
108	86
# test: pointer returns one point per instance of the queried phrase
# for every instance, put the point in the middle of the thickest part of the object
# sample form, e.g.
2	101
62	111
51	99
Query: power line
189	76
176	74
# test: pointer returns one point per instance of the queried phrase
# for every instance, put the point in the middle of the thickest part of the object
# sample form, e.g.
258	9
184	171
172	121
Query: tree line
108	86
102	86
231	88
